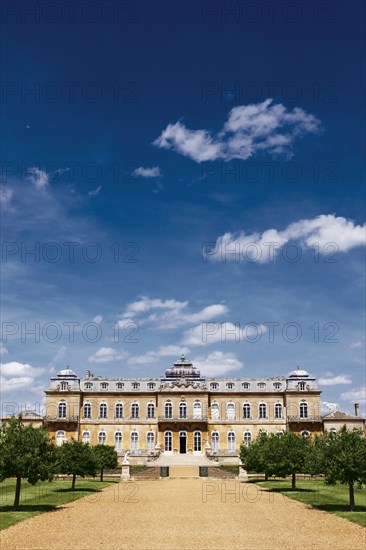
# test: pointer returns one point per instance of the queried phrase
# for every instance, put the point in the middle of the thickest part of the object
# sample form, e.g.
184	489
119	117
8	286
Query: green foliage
105	457
25	452
76	459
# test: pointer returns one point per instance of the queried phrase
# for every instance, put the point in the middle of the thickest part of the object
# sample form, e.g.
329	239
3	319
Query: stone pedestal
125	474
243	475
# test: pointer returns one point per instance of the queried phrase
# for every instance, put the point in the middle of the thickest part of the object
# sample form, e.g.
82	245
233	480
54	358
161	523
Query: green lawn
330	498
42	497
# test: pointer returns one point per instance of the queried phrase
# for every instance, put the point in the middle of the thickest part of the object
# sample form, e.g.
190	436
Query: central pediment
187	384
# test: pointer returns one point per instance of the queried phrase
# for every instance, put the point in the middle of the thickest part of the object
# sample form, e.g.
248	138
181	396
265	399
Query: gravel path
185	514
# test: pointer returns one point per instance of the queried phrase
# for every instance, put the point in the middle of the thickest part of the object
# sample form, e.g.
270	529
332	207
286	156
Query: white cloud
3	349
6	195
342	235
153	172
15	369
335	380
61	353
328	407
107	355
217	363
212	333
358	344
38	177
249	129
13	384
163	351
95	192
145	304
98	319
356	394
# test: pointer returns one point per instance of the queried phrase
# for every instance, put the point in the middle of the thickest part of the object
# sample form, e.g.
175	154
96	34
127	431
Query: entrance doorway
182	442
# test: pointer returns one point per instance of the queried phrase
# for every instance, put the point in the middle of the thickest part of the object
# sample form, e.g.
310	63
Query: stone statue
125	460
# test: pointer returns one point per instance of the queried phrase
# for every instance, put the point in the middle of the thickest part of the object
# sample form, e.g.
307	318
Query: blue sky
190	175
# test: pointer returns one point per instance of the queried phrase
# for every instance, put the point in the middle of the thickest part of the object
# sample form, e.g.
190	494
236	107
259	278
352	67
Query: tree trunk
293	481
101	474
73	482
351	497
265	477
17	493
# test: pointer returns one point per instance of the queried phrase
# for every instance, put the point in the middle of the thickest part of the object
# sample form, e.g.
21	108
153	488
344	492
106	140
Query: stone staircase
179	460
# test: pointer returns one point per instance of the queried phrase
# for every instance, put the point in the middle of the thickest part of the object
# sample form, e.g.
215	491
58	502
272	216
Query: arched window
246	410
230	411
247	438
118	412
62	409
231	442
215	442
305	433
60	437
197	410
134	410
86	436
215	412
182	409
118	441
134	442
278	410
168	410
87	410
303	409
197	442
150	442
168	441
262	410
102	438
103	410
151	410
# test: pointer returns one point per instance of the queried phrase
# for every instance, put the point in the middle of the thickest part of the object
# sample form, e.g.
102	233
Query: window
119	410
197	442
215	442
87	410
168	441
278	410
246	410
104	386
305	433
230	386
102	410
60	437
261	386
150	442
135	386
245	385
168	410
102	438
215	413
64	386
88	385
247	438
134	442
151	386
120	386
230	411
214	386
231	442
151	410
62	409
303	409
86	437
301	386
118	441
197	410
262	410
277	386
182	409
134	410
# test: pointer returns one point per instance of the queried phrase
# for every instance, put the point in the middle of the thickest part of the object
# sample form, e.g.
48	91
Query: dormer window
302	386
214	386
119	386
151	386
230	386
277	386
88	386
135	386
245	385
104	386
261	386
64	386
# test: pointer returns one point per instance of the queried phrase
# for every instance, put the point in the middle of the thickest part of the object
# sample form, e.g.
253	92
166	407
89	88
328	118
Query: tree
257	457
345	460
76	459
25	452
105	457
290	456
314	456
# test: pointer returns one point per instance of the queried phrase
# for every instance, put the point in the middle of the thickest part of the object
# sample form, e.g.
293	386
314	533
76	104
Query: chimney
357	409
88	373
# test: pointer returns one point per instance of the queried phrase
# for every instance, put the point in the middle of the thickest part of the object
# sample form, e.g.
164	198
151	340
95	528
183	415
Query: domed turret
68	373
298	373
182	369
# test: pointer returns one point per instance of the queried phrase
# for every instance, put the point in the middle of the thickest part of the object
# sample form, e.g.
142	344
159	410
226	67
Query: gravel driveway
185	514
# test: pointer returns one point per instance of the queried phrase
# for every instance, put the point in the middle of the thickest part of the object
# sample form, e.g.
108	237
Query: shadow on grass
77	490
30	508
290	490
338	507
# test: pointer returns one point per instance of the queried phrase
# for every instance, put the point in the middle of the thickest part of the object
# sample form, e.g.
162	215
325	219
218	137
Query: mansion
181	412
